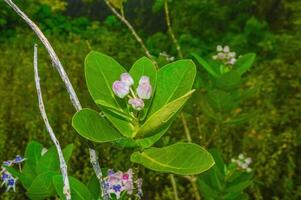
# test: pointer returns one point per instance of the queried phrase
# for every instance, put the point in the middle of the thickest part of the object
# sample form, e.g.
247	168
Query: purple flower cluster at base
7	179
119	182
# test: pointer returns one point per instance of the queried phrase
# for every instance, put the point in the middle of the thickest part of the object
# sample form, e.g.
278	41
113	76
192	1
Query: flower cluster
123	88
118	182
243	162
7	179
225	55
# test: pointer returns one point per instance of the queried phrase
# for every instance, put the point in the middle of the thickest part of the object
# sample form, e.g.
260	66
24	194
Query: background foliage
270	28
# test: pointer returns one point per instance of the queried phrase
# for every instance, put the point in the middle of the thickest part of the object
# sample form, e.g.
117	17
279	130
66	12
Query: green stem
174	186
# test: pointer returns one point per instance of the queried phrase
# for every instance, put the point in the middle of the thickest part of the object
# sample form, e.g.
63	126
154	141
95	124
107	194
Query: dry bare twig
63	165
133	31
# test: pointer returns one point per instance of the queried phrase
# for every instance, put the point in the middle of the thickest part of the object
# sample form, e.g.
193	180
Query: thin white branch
55	60
133	31
73	97
63	165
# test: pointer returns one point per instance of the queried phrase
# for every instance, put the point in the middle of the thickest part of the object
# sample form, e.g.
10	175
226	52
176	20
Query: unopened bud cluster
225	56
243	162
123	88
7	179
118	182
166	56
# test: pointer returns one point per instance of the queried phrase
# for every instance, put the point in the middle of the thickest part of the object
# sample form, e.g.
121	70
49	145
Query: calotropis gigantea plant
137	108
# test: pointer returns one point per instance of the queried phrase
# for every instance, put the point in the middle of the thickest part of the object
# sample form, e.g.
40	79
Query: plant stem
186	129
192	179
174	186
63	165
132	30
73	97
170	31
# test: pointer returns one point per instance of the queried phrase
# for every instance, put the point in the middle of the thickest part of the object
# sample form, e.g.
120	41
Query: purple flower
144	89
5	176
11	183
7	163
127	79
121	89
18	159
117	188
136	103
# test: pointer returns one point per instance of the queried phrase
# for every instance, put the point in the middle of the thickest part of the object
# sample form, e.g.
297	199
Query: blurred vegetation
271	28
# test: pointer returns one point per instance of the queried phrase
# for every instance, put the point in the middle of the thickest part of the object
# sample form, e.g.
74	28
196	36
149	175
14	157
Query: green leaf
114	110
208	110
78	190
239	187
49	162
94	187
220	101
219	162
101	71
208	192
124	126
173	81
144	67
162	116
242	118
228	81
180	158
205	65
90	125
33	154
42	186
244	63
149	141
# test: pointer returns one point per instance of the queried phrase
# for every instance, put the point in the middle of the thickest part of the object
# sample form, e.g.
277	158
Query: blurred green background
270	28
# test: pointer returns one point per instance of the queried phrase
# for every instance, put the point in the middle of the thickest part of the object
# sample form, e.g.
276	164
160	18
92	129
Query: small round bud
136	103
126	78
226	49
219	48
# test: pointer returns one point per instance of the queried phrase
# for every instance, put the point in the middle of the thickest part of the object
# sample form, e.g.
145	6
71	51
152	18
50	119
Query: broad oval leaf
101	71
42	186
49	162
244	63
173	81
33	154
162	116
90	125
144	67
180	158
79	191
